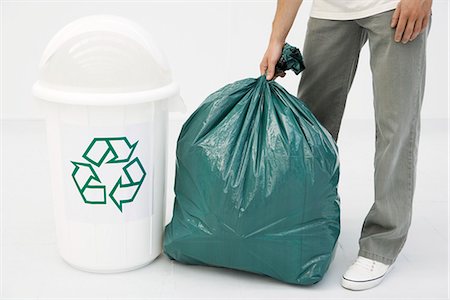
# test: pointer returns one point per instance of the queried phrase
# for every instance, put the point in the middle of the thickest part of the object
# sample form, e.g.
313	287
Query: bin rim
45	93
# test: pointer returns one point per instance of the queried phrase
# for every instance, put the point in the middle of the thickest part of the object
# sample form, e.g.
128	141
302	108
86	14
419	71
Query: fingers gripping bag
256	183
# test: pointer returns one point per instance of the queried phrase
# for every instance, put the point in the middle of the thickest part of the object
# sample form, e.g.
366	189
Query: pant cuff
373	256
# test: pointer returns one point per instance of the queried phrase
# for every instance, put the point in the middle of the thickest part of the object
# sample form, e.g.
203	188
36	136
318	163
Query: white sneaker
364	274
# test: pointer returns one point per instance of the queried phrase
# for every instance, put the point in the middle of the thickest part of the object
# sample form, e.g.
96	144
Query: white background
209	44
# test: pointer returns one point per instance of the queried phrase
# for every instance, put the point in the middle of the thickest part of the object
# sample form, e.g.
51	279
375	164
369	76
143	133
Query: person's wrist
276	40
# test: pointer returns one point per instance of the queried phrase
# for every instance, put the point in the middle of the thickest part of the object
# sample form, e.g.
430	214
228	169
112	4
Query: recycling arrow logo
109	151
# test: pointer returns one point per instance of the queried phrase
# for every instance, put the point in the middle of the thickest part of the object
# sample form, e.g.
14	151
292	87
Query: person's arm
282	23
411	17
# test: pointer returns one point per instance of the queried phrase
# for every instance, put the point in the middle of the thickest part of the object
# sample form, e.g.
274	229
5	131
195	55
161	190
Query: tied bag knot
291	59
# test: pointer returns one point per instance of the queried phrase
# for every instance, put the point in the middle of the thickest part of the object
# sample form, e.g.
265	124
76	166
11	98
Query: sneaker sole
364	285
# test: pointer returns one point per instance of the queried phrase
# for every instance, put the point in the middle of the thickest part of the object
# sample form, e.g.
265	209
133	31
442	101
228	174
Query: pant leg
398	72
331	52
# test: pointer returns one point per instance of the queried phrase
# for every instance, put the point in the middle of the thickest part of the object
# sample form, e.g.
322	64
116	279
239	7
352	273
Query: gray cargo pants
331	52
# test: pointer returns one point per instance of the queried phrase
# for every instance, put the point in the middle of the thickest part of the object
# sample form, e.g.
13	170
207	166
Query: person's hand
411	17
270	59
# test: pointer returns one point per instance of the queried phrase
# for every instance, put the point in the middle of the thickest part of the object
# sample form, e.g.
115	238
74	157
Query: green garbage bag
256	183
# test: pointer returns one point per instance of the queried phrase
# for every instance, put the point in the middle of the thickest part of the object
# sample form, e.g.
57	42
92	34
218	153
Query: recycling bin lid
104	60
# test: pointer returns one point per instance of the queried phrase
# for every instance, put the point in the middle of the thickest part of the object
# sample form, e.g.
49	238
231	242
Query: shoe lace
366	264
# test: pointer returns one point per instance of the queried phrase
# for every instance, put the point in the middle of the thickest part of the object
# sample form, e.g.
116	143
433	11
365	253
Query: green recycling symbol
89	184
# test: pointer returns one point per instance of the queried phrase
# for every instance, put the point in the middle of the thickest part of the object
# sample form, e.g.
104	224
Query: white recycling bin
107	90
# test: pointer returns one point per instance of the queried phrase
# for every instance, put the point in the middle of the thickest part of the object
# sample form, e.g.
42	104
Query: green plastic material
256	183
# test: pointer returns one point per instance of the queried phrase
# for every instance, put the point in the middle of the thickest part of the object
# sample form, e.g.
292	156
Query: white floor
31	267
